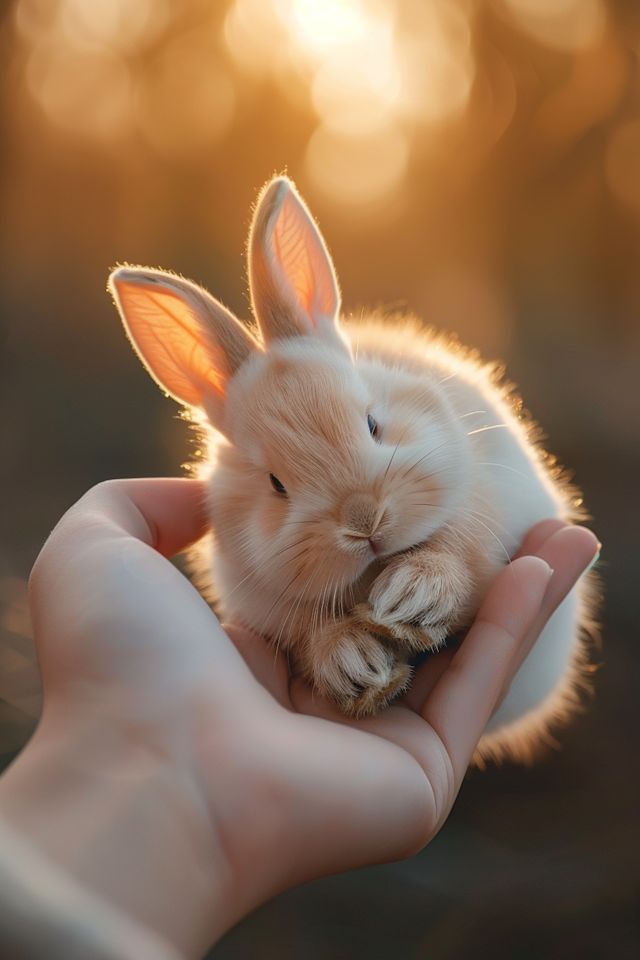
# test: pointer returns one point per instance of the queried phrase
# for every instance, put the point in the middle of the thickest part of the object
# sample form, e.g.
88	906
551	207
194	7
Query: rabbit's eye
374	429
275	483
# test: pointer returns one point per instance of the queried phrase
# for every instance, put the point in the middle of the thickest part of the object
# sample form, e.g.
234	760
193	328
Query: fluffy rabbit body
367	483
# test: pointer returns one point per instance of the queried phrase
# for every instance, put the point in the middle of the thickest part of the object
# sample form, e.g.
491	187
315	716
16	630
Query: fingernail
550	572
593	562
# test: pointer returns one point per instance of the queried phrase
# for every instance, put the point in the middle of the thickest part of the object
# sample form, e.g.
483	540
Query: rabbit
367	482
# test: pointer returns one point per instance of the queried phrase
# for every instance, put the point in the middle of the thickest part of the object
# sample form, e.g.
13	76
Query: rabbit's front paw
418	598
354	668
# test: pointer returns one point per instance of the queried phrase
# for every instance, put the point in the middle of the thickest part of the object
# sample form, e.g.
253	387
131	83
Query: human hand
187	779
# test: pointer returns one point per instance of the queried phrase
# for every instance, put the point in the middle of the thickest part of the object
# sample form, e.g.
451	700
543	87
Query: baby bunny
366	483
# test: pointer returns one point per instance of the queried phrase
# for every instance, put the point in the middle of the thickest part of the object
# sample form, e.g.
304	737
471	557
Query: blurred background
475	161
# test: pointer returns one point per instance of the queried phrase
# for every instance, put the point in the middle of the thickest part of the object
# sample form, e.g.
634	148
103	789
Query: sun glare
319	25
373	70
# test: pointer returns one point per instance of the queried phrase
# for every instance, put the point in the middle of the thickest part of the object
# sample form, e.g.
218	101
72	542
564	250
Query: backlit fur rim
532	736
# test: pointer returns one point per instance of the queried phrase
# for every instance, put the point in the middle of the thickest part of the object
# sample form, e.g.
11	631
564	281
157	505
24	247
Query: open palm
188	777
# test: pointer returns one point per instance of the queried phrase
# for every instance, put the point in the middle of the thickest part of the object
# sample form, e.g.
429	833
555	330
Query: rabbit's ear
190	344
293	284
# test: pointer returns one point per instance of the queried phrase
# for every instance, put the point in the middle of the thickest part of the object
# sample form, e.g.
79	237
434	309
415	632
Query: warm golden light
119	23
622	165
77	69
373	71
255	36
82	71
322	24
438	68
563	24
83	91
357	170
188	99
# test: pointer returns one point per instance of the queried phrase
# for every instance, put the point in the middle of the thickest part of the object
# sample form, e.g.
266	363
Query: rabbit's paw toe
372	698
357	670
417	600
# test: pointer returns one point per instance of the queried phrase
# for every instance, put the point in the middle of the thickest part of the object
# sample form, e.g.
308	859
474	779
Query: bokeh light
357	170
84	90
374	71
188	98
118	23
561	24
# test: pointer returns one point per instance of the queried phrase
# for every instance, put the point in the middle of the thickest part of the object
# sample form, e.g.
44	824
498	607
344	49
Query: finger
538	535
168	513
428	674
464	697
425	679
547	541
98	583
569	552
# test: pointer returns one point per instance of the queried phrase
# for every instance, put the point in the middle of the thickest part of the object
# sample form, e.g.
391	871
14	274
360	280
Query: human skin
181	774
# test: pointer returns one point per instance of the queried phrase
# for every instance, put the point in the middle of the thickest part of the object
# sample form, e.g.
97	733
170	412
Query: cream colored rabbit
367	484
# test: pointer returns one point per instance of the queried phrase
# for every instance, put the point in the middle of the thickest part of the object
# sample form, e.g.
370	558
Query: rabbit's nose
361	514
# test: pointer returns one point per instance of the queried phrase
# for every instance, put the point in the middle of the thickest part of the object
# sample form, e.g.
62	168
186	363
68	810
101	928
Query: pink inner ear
171	342
304	260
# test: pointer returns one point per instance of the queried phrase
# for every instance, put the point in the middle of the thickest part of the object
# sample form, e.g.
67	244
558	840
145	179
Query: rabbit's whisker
277	601
489	530
507	467
495	426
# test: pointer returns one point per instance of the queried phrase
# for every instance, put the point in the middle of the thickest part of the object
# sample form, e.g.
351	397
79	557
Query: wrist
121	818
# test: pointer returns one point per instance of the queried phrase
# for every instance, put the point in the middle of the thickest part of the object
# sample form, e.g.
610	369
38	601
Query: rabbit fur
367	482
